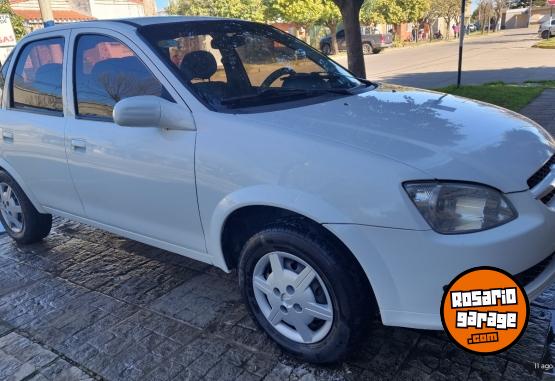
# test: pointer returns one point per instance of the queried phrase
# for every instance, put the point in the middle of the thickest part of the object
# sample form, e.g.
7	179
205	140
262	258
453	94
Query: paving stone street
85	304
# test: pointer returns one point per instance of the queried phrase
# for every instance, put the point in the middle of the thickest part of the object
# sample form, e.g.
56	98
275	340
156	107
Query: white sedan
236	144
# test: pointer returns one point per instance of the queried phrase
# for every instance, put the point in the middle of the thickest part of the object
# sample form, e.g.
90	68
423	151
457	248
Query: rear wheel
19	217
545	34
366	48
291	282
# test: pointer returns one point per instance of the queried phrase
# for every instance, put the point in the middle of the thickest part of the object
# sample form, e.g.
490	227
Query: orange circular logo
484	310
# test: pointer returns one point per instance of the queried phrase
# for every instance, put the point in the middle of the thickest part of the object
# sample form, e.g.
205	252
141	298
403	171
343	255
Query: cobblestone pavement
87	304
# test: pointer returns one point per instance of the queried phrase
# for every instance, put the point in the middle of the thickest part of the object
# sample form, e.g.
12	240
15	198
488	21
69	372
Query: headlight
454	208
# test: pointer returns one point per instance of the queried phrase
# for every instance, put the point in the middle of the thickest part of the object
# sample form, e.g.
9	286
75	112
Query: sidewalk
542	110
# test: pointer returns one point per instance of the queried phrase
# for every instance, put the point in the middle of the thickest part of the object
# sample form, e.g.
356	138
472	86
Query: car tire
337	290
366	48
326	49
19	217
545	34
376	51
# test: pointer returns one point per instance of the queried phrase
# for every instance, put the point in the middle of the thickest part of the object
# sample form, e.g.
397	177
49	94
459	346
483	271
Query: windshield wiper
277	93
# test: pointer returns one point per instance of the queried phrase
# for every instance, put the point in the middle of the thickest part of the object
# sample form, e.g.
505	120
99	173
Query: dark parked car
371	42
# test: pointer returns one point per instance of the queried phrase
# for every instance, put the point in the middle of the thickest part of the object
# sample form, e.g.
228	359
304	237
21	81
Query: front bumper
409	268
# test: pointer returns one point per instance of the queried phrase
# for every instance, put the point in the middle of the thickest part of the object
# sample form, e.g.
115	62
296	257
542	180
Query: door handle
7	136
78	145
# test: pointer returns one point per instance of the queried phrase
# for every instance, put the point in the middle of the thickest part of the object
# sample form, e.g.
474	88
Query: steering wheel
275	75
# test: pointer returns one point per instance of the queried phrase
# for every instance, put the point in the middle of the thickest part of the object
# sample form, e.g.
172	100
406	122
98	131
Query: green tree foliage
302	12
331	17
371	12
17	21
244	9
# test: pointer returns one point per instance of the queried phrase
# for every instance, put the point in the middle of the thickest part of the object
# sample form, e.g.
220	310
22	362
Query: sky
161	4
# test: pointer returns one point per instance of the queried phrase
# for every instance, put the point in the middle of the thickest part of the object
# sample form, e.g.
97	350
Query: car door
140	181
32	121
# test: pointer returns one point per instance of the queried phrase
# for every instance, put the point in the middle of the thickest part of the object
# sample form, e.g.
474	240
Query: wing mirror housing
152	111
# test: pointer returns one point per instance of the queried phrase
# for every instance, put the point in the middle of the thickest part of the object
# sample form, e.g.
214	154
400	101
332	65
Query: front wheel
545	34
305	293
19	217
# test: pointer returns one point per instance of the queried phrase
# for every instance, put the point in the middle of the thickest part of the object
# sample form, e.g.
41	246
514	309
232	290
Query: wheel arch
6	167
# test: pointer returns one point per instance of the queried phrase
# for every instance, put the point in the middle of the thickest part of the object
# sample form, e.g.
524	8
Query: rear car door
139	180
32	121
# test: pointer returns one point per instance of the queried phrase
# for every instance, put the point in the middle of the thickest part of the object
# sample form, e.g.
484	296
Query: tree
432	16
414	11
245	9
18	23
304	13
370	13
500	6
450	10
331	17
350	11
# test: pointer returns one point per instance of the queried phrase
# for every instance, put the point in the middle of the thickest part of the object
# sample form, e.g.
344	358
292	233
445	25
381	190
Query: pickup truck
371	42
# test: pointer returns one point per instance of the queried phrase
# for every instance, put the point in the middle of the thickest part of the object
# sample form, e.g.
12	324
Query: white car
236	144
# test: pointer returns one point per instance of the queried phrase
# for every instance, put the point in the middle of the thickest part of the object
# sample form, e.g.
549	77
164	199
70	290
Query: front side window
107	71
232	65
37	80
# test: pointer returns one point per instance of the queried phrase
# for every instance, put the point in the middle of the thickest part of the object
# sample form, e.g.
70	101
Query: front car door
32	121
138	181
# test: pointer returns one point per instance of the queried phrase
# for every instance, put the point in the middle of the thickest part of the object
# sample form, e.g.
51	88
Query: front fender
13	173
265	195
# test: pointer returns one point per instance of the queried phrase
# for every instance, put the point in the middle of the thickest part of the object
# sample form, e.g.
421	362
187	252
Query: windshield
230	64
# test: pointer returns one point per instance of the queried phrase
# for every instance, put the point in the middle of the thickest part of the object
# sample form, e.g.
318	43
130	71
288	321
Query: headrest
49	75
118	66
198	65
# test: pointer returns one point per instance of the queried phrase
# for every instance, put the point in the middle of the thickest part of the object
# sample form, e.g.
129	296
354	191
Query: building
518	18
80	10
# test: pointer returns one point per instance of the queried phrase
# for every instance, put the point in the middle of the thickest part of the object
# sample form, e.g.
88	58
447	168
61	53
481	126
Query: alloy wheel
292	297
10	208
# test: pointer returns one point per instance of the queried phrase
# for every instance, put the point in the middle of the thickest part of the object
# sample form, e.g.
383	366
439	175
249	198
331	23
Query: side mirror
151	111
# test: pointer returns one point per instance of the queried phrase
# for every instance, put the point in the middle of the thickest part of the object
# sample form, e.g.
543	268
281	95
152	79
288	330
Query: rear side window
107	71
37	80
3	76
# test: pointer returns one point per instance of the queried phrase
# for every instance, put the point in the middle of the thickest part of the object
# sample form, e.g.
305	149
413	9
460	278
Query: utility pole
529	13
46	13
462	32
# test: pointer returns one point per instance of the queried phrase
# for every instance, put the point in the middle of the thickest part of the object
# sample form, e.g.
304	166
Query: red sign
551	2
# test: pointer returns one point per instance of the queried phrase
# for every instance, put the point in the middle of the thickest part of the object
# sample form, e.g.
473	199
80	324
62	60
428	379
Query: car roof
136	22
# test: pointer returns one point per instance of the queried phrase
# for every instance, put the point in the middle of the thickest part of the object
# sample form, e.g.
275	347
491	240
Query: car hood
447	137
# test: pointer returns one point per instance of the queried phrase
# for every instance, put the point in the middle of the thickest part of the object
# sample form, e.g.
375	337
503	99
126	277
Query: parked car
371	42
472	28
236	144
547	29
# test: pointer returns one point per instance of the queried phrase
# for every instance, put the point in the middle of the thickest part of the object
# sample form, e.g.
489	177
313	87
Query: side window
107	71
341	34
553	22
37	79
3	76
